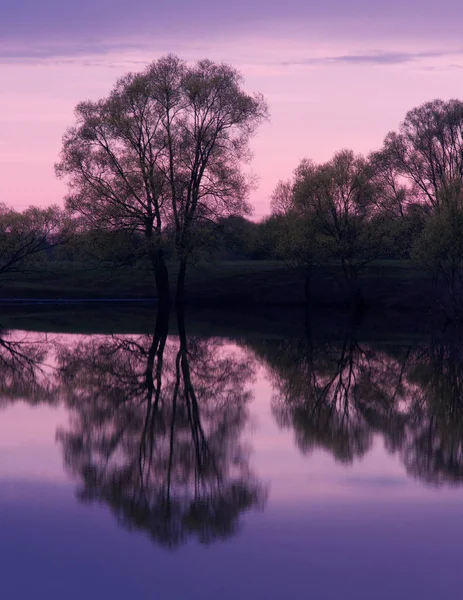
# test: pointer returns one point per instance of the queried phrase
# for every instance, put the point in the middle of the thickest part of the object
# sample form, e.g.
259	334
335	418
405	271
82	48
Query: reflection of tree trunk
153	381
199	439
308	285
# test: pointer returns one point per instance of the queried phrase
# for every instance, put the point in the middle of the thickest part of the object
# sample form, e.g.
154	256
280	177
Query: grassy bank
386	284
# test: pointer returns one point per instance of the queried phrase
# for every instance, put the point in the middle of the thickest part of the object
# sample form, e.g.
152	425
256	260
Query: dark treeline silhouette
155	178
339	395
29	240
403	201
155	169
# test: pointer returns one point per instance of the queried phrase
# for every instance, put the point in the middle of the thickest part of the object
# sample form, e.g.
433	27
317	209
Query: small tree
297	239
26	237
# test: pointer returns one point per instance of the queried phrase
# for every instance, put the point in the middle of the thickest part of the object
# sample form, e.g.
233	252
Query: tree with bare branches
164	150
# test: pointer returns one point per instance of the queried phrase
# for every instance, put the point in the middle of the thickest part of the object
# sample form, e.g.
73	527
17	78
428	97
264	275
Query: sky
336	73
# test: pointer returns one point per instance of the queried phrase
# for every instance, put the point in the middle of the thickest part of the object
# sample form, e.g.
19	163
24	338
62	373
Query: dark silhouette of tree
164	150
156	432
427	151
328	212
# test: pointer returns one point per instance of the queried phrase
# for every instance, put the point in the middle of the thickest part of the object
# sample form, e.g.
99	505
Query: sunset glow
331	81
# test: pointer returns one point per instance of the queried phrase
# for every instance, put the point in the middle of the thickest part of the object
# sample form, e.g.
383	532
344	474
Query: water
135	466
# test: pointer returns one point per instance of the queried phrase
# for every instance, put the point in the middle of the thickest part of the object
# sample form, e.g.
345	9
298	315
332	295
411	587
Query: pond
146	466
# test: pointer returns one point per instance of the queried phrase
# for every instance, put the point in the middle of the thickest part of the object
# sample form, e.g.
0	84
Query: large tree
164	150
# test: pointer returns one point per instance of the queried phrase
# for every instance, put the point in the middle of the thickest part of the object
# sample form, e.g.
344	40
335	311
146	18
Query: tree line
156	171
402	201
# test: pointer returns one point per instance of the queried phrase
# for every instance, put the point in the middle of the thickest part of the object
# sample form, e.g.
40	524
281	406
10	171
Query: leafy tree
440	248
164	149
26	237
329	217
427	151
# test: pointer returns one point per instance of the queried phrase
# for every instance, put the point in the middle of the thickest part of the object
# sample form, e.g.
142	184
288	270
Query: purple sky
336	73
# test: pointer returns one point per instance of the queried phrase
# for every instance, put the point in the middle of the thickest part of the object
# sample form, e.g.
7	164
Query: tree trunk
161	276
180	293
158	263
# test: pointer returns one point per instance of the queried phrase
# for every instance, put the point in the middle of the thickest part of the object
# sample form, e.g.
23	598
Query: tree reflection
339	395
156	432
336	395
23	374
434	446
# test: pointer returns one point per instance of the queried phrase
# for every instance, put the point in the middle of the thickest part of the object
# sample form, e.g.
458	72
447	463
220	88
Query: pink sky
331	82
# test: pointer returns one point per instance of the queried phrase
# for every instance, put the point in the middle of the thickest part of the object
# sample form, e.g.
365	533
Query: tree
427	151
440	248
26	236
164	149
330	215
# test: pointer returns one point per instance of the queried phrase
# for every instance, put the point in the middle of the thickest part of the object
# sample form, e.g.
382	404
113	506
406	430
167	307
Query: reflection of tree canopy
155	432
338	395
22	371
434	449
335	396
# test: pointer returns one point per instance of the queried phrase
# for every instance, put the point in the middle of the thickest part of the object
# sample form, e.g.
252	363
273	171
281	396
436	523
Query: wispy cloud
60	52
84	26
375	58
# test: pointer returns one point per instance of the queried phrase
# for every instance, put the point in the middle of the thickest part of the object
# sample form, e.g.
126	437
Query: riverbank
394	285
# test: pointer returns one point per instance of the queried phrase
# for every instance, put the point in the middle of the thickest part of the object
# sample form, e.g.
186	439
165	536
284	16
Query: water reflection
338	395
434	443
158	423
23	371
156	432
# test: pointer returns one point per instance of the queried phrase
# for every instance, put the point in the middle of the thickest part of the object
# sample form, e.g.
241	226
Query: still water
135	466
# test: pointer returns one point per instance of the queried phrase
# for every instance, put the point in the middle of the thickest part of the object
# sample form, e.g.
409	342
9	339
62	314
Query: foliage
28	237
427	151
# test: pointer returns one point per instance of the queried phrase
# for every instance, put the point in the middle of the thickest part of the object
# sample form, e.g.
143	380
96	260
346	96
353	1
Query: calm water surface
144	467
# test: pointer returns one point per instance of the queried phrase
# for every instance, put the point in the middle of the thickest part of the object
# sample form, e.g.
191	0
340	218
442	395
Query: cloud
375	58
60	52
33	27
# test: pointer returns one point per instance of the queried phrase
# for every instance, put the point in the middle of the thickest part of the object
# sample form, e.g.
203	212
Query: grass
238	284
